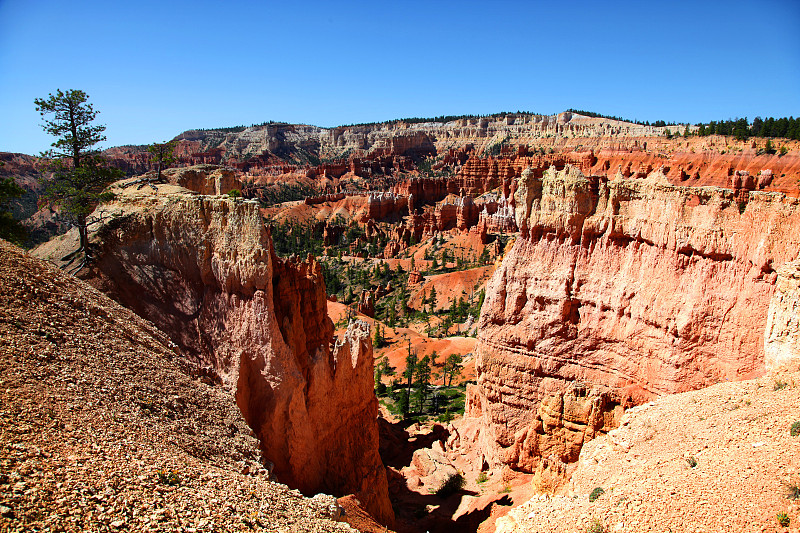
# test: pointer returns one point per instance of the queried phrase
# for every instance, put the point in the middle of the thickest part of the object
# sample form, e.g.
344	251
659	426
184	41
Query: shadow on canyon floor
418	512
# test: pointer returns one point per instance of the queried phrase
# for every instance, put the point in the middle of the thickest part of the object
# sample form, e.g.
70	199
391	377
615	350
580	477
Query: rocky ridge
103	429
404	138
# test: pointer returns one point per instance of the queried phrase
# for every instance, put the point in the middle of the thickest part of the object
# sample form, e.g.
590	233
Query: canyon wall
631	283
782	330
201	268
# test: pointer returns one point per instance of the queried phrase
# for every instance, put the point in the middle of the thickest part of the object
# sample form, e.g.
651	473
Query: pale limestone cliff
782	330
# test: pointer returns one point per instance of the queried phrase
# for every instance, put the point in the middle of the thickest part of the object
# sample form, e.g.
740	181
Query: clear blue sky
154	69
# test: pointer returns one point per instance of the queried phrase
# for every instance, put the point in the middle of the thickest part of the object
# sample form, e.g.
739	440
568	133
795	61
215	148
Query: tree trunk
83	231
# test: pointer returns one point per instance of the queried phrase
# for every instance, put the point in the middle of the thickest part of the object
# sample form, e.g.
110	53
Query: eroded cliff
635	284
201	268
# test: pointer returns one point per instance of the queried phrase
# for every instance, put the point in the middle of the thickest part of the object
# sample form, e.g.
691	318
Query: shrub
794	491
596	493
692	461
483	477
595	527
235	193
451	485
169	478
783	519
795	429
779	384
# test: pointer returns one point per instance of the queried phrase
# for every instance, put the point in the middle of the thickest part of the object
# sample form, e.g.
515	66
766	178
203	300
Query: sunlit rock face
202	269
634	284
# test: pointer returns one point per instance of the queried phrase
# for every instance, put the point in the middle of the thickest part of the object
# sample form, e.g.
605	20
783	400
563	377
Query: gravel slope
103	429
737	436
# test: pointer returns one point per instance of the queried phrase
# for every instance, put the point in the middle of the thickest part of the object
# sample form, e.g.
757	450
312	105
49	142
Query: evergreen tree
10	228
755	128
80	174
769	128
481	298
432	300
463	307
163	155
740	129
484	257
377	340
422	380
391	313
383	368
452	367
411	365
781	127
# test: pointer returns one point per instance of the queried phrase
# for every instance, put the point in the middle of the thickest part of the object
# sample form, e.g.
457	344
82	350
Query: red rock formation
636	284
425	190
316	200
498	217
332	234
479	175
204	179
201	268
366	303
384	205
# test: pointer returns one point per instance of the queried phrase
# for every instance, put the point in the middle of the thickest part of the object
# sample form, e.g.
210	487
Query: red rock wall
636	284
202	270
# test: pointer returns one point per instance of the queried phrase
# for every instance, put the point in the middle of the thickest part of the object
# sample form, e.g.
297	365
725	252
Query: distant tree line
237	129
740	128
441	118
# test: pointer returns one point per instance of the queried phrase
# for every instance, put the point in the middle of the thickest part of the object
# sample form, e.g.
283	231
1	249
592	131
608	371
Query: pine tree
80	174
422	379
163	155
10	228
377	340
452	367
411	364
391	313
